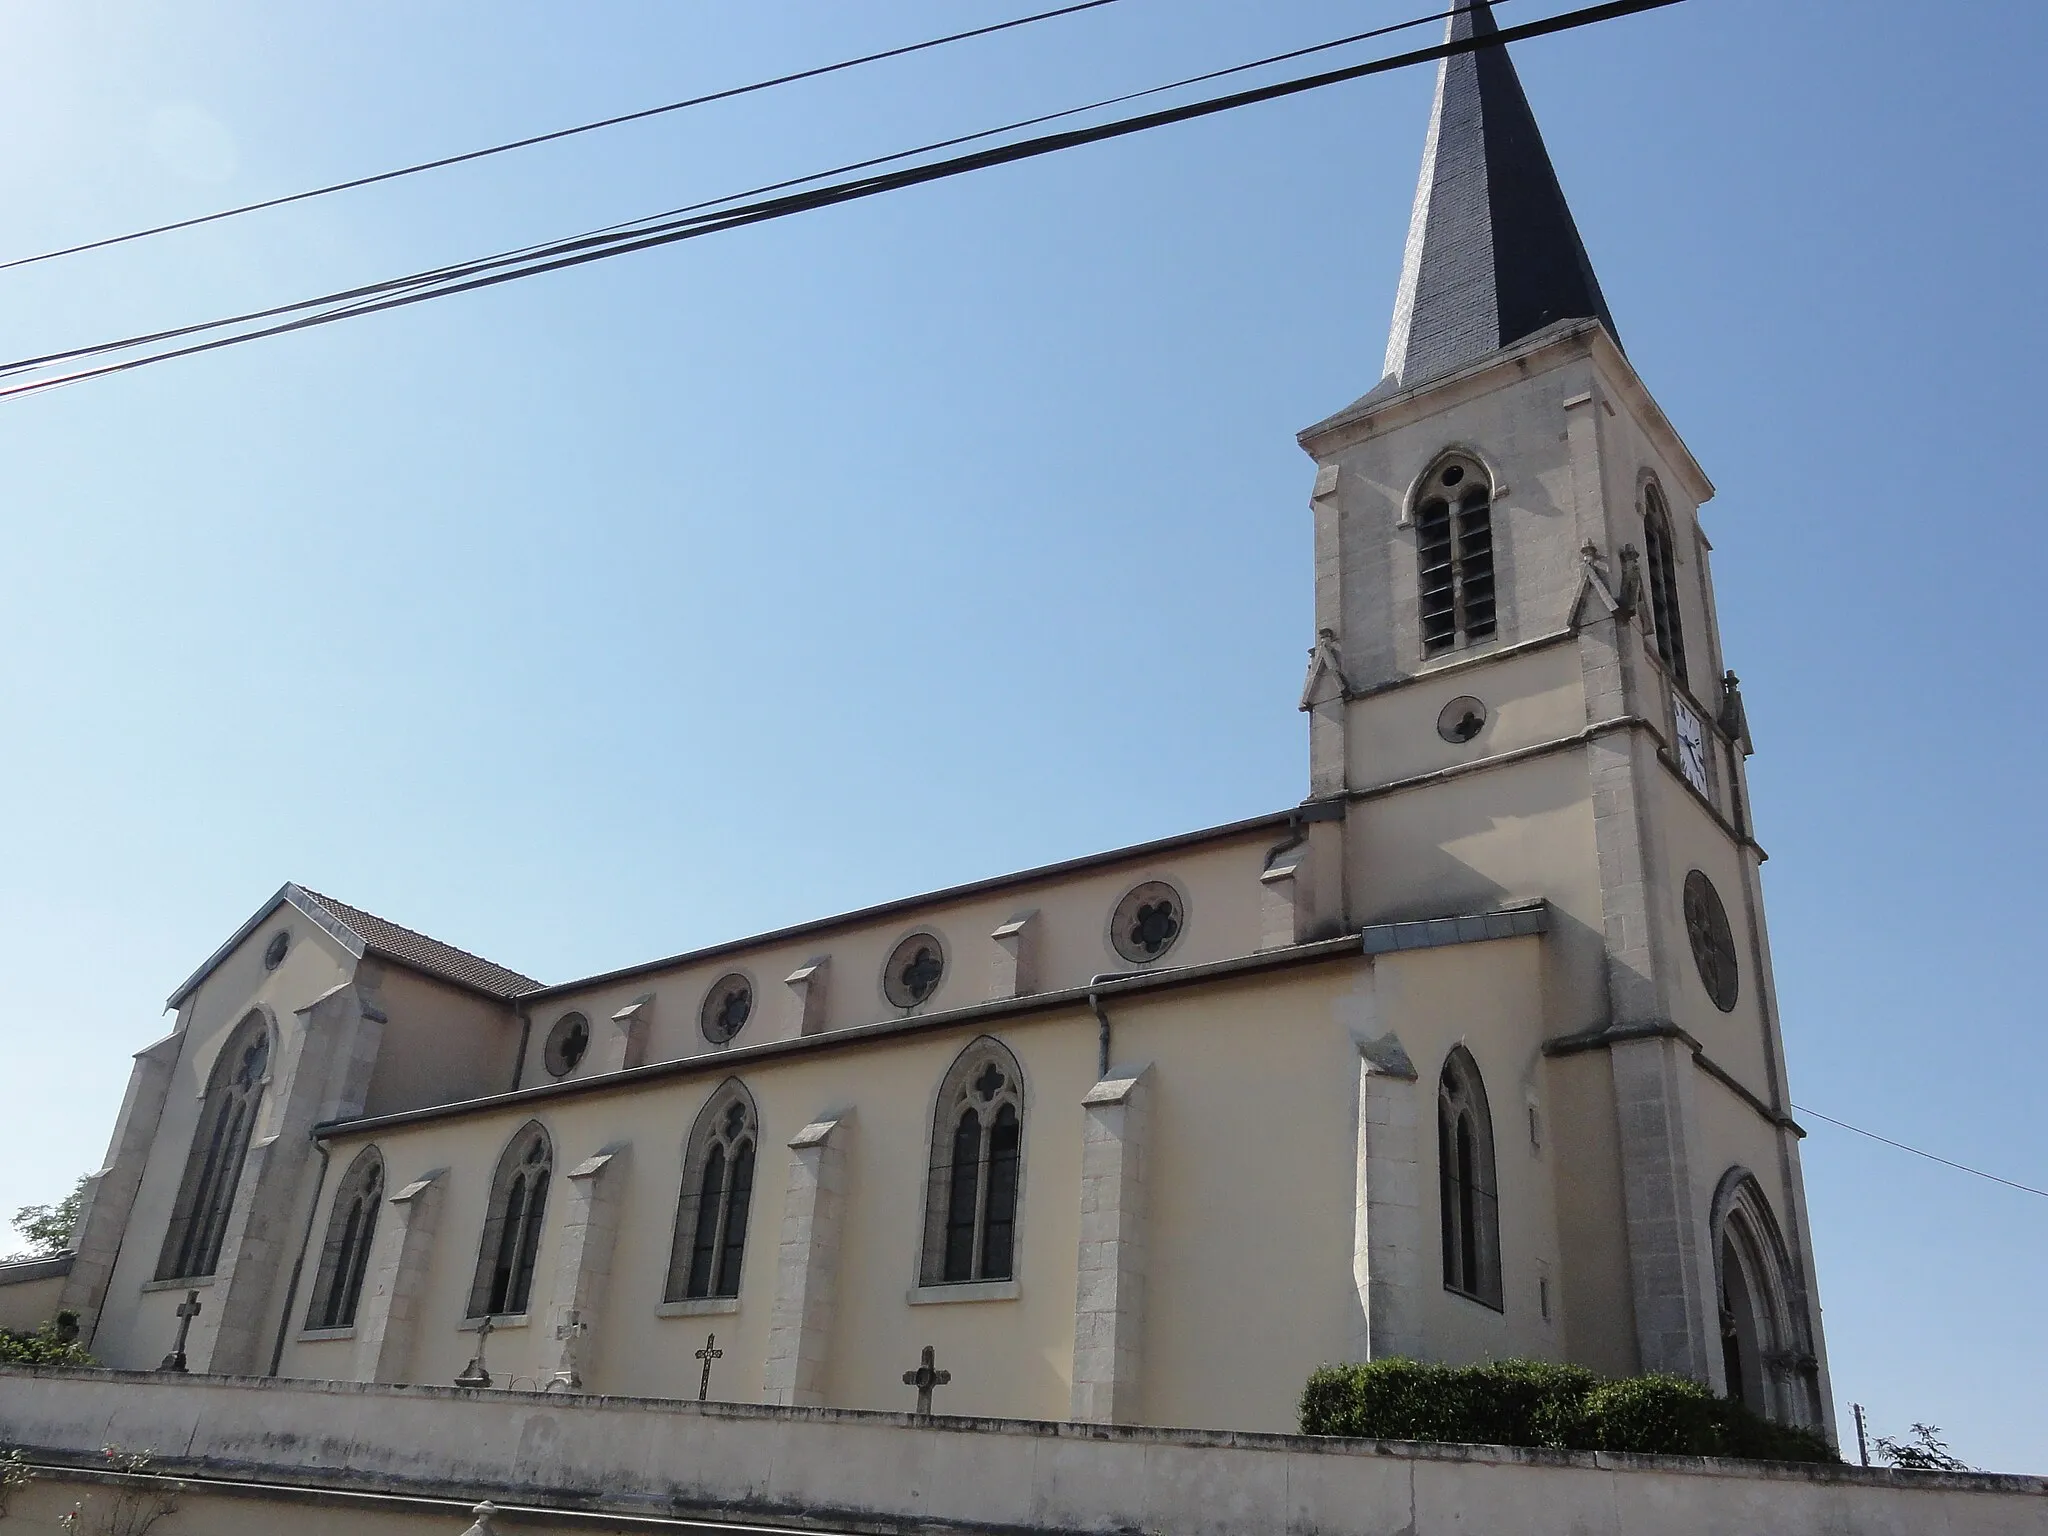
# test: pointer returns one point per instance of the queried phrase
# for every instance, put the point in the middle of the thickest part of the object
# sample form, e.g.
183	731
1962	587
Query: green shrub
48	1345
1654	1416
1534	1403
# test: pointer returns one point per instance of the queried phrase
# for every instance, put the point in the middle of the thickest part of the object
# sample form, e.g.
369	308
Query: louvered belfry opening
1668	630
1454	556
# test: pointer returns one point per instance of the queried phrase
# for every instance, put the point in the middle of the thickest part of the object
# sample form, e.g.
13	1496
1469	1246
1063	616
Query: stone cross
707	1354
187	1310
924	1378
571	1329
474	1374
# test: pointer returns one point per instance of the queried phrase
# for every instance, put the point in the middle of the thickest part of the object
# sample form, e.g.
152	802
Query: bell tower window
1669	629
1454	555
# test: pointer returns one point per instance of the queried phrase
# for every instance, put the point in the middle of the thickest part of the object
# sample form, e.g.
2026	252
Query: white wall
830	1466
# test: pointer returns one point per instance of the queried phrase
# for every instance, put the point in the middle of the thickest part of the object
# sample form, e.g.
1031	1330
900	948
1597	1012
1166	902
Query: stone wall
838	1469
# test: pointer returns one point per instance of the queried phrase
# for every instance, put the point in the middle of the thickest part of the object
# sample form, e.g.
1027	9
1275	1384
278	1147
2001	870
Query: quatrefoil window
567	1042
915	968
1147	922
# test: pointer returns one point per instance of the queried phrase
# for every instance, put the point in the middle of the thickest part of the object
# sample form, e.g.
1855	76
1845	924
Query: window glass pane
998	1239
710	1194
529	1245
359	1264
337	1283
736	1220
963	1186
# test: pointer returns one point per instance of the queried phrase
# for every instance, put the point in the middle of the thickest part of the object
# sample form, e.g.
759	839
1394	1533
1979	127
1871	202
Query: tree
1921	1451
48	1228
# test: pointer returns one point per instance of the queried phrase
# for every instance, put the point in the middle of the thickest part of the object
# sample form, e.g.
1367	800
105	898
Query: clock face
1692	745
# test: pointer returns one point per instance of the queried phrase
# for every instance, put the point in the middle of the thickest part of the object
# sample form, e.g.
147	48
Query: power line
559	133
1945	1162
649	222
602	245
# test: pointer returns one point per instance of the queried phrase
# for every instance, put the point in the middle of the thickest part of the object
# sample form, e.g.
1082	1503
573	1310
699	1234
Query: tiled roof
430	956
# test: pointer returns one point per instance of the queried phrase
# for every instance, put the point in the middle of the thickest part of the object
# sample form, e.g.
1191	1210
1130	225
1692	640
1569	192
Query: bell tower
1517	692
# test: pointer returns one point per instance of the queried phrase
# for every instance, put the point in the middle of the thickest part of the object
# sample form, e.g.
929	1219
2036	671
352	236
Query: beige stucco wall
1585	1151
1486	997
1219	881
1691	840
26	1305
1533	697
440	1043
1516	832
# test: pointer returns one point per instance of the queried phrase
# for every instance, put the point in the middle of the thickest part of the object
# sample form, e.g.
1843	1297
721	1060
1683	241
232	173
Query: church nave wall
1248	1222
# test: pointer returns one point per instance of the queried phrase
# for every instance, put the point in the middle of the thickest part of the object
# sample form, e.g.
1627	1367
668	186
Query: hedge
50	1344
1535	1403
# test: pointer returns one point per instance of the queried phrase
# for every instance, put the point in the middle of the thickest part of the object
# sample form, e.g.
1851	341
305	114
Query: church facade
1472	1053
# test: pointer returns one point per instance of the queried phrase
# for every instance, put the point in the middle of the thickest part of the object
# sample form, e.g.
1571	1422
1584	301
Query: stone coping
1045	1429
22	1271
452	1506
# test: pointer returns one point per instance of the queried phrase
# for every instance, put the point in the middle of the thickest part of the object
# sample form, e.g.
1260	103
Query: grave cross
571	1328
474	1374
924	1378
707	1354
187	1310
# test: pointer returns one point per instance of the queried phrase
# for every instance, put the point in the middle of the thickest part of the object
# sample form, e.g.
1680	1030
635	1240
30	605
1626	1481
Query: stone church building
1474	1052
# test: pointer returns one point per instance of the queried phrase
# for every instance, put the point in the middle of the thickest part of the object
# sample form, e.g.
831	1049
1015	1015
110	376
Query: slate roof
390	941
1493	254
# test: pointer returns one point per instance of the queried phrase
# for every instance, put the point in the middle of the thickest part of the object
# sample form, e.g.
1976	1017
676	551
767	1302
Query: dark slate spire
1493	254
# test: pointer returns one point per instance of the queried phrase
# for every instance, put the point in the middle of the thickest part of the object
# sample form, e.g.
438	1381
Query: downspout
525	1039
291	1295
1102	1019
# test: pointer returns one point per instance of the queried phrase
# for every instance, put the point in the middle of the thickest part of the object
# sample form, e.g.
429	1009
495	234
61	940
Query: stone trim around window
966	1290
499	1323
195	1283
698	1306
324	1335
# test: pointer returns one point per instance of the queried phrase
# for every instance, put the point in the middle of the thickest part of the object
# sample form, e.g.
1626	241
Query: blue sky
685	595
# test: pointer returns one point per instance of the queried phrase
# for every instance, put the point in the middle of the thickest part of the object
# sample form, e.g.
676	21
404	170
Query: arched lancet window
345	1256
1470	1204
1765	1353
970	1221
718	1191
1454	553
511	1241
213	1168
1663	577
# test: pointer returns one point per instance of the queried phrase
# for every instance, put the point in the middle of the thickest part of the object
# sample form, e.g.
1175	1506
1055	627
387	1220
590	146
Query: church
1471	1053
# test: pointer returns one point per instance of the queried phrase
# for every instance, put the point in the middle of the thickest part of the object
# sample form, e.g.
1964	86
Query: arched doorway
1767	1353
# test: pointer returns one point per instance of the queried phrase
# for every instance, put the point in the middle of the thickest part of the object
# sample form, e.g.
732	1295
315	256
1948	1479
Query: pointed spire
1493	255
